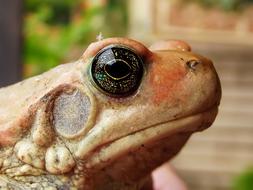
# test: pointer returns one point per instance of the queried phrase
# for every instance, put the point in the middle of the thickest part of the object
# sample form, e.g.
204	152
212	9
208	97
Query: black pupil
117	69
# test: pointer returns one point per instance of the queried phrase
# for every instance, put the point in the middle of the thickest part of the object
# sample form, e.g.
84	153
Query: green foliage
55	28
228	5
244	181
59	10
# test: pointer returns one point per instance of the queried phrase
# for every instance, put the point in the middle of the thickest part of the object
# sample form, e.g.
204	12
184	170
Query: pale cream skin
57	130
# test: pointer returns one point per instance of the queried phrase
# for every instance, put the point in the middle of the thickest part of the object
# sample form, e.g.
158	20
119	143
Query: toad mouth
118	147
109	152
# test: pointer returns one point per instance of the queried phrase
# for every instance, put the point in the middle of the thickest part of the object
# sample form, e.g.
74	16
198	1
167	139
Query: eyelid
95	47
120	46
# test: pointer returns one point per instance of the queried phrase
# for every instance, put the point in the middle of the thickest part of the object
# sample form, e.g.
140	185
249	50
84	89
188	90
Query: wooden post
10	41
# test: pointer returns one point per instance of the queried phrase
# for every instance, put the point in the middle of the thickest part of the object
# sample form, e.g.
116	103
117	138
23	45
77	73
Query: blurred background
37	35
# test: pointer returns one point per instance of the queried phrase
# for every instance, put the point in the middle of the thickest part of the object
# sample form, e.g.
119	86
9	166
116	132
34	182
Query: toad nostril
192	64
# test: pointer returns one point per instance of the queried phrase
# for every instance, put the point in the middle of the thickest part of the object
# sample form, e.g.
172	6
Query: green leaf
244	181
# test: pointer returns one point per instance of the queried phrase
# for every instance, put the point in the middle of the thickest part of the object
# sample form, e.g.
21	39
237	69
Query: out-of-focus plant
54	29
244	181
228	5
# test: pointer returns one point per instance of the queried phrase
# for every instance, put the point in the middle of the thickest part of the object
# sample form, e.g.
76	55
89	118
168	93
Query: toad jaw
157	132
139	153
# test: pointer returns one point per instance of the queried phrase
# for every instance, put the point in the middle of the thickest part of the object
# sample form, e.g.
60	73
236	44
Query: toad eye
117	70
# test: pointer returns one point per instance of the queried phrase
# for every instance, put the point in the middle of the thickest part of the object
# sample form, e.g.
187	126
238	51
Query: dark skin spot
165	150
57	160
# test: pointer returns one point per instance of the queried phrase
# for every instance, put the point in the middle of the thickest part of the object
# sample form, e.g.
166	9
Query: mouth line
187	124
209	109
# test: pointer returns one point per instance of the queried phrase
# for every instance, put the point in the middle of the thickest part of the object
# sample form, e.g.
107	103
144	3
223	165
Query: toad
105	121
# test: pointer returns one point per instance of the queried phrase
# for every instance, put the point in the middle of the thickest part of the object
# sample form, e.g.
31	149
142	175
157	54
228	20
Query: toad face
107	120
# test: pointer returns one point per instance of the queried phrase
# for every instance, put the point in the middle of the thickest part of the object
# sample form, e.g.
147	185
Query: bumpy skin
58	131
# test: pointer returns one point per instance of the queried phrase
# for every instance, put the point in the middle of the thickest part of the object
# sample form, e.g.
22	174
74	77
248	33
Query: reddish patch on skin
165	81
171	45
6	138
